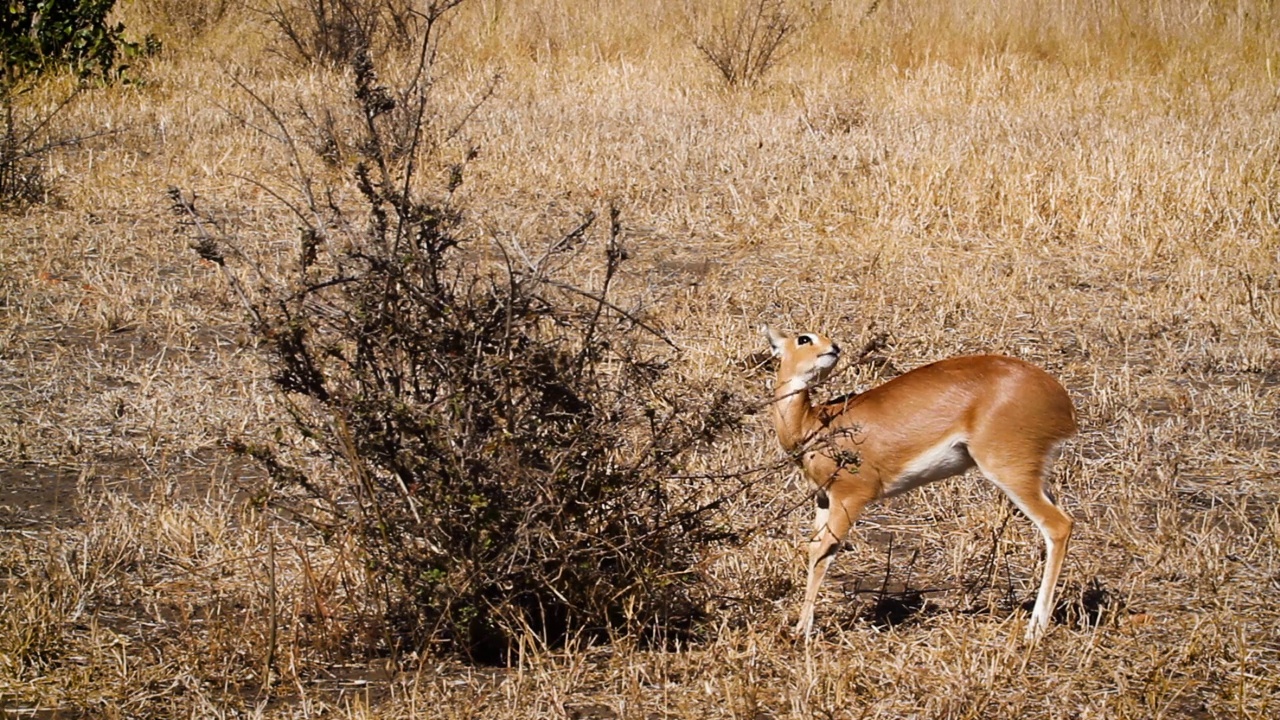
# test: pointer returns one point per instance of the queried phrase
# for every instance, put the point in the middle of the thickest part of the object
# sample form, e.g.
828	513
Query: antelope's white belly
947	458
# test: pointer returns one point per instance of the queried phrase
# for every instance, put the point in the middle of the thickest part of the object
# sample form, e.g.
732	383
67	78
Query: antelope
1002	415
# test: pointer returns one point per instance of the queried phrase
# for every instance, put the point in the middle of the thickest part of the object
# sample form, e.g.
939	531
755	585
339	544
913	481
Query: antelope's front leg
829	531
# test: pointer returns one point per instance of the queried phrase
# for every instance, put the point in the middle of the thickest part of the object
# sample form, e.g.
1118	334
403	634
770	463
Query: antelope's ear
775	340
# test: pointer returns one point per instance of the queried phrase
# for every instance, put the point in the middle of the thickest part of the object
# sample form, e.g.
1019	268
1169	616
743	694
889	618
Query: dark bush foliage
36	35
503	442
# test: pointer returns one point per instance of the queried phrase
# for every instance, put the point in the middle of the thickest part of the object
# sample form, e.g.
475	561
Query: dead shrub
332	32
21	179
499	441
744	40
28	135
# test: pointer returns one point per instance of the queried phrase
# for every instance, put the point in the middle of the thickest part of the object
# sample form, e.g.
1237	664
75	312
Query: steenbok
1006	417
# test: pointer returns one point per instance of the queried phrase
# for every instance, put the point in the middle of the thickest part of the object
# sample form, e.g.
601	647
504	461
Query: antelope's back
954	398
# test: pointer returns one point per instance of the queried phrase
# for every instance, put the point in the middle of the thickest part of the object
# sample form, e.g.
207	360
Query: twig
592	296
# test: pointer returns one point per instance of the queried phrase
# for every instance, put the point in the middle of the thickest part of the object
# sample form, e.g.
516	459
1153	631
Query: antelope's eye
804	340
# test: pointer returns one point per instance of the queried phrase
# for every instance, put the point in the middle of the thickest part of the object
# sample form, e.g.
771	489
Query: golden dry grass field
1092	186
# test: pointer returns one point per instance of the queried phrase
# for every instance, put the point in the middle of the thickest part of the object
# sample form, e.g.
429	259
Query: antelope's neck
793	416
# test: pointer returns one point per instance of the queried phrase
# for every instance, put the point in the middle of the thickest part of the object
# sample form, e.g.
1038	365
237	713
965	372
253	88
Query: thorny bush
504	440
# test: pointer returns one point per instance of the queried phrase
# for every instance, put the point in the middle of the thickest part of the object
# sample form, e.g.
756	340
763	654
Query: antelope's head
804	360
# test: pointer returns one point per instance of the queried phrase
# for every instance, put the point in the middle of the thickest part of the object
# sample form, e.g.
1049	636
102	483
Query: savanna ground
1094	187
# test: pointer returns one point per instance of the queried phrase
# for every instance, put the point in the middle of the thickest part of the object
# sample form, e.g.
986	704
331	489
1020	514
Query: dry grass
1091	186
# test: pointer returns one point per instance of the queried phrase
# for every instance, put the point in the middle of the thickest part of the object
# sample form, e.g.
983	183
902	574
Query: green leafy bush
37	35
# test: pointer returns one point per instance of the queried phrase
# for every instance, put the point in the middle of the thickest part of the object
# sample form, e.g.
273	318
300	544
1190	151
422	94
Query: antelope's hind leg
1024	484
